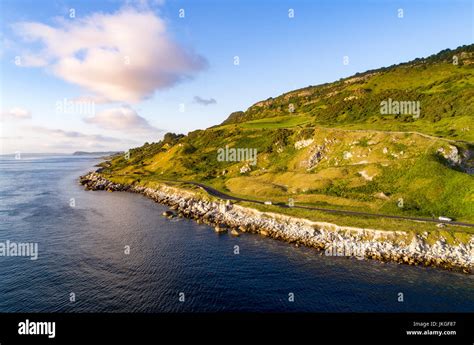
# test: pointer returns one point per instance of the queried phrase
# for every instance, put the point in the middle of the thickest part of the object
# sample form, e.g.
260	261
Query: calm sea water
81	250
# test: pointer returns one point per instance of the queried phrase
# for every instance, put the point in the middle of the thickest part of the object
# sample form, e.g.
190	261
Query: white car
267	202
445	219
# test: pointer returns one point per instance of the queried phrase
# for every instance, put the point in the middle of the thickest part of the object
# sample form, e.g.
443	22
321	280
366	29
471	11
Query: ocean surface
81	250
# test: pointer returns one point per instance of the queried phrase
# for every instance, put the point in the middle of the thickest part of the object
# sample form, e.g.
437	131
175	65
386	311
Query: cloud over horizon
16	113
60	133
123	119
53	140
125	56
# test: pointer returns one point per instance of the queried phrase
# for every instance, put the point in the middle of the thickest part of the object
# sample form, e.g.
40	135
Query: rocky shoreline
331	239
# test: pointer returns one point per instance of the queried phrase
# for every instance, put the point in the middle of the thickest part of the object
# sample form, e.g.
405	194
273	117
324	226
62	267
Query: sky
109	75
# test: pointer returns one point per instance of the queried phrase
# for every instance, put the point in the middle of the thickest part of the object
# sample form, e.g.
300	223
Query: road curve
221	195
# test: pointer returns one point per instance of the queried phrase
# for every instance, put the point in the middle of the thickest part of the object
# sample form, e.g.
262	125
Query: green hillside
330	146
444	89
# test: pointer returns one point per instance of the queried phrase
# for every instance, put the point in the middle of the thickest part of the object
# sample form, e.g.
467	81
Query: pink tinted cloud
125	56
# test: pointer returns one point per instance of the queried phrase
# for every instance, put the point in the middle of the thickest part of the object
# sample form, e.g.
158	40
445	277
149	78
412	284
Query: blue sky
276	54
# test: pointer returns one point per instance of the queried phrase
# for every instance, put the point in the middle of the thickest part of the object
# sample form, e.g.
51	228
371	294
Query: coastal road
214	192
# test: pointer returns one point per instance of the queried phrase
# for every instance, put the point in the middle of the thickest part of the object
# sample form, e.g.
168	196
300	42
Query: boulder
220	230
168	214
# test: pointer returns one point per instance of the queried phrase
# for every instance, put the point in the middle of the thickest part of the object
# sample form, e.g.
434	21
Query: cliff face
334	240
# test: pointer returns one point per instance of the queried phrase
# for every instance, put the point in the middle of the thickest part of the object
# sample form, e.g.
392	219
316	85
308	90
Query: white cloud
33	61
121	119
124	56
92	99
60	133
16	113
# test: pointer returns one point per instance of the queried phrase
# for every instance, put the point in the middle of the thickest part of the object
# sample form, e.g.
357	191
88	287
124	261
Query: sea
114	252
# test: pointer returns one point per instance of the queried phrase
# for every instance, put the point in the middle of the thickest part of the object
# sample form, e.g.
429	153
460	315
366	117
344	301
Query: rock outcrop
462	160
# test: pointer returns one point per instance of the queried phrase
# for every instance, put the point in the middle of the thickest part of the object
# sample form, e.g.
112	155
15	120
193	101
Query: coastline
388	246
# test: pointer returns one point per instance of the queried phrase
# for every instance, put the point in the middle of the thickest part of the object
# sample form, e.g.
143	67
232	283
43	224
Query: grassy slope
399	165
445	92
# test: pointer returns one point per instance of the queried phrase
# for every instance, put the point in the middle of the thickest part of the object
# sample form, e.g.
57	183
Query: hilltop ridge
442	83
